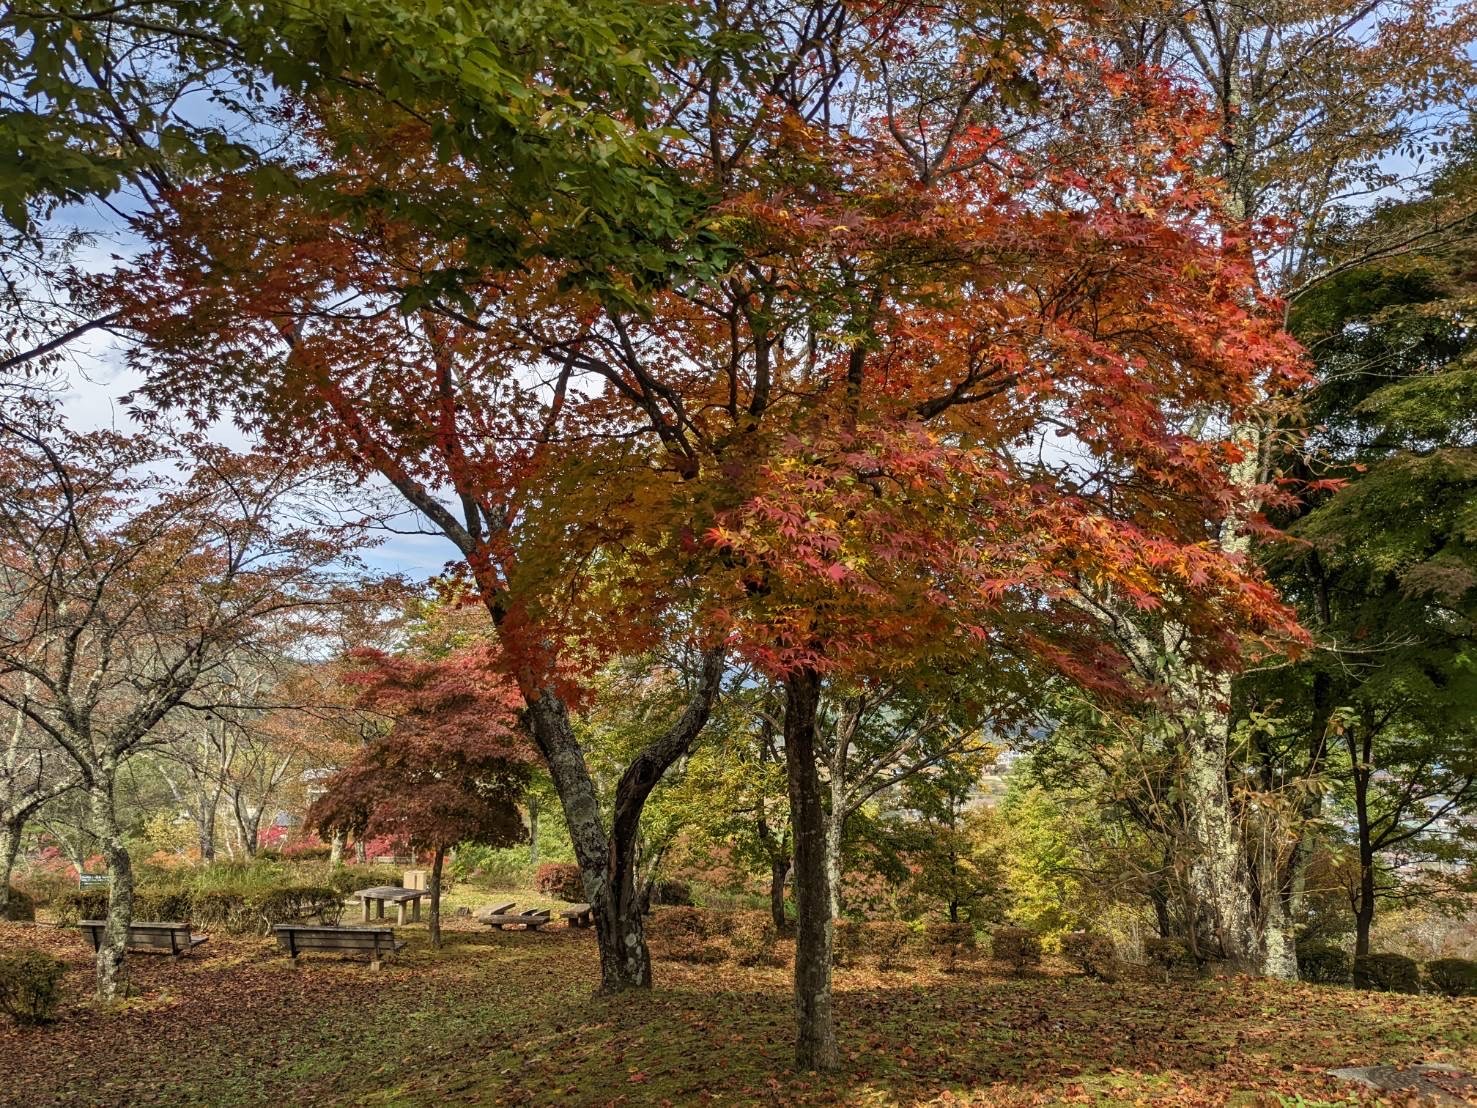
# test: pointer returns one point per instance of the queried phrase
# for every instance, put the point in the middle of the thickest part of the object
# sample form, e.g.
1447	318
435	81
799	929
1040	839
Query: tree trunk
361	852
779	869
434	922
1218	878
10	844
1362	759
206	823
815	1031
112	975
835	830
336	850
607	862
533	830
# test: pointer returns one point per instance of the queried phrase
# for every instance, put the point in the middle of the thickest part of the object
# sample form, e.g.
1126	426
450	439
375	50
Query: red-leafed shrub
561	880
1016	945
951	943
1092	953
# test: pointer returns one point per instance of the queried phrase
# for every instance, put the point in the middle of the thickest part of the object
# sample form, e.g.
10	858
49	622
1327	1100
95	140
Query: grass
511	1018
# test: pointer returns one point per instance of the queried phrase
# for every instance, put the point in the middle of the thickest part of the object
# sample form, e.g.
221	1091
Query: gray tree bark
815	1028
10	844
112	953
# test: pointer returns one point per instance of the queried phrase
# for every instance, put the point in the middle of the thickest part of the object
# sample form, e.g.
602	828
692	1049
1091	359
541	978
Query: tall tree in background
451	769
1314	103
129	588
1384	565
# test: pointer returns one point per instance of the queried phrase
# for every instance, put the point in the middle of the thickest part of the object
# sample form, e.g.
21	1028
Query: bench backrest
144	936
295	938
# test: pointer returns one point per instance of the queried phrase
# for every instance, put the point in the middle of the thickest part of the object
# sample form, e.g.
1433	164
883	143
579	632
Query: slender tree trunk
1362	758
434	922
112	974
835	830
779	869
336	850
815	1031
10	844
206	823
533	830
361	852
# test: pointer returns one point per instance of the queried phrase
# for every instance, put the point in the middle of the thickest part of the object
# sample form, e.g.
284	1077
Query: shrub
671	892
1387	973
951	943
678	923
1092	953
1168	955
889	943
1323	964
1453	976
692	948
561	880
1016	945
226	910
753	937
163	906
80	904
296	902
29	986
20	907
846	942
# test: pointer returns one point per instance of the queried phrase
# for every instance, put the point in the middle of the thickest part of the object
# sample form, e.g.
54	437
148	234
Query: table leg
379	909
400	913
364	903
415	910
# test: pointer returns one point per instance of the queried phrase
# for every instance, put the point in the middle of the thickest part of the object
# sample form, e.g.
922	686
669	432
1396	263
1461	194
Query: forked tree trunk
434	922
112	972
815	1030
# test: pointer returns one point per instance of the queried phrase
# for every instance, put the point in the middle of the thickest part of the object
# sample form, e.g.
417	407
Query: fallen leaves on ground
512	1018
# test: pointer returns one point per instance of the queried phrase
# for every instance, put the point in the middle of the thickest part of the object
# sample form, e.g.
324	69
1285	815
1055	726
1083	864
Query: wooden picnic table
380	895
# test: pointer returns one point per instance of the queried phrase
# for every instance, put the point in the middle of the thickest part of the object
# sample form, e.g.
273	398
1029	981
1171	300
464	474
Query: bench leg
374	964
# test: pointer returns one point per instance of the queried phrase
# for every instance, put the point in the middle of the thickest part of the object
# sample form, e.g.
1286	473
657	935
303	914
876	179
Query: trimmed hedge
30	984
76	905
951	943
888	942
1092	953
1016	945
1453	976
19	908
753	938
560	880
670	892
1387	973
1324	964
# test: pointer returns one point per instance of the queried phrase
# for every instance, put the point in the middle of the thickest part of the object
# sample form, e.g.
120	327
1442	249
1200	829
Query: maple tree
837	455
451	768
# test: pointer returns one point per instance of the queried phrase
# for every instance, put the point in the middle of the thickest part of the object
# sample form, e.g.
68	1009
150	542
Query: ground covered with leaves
511	1018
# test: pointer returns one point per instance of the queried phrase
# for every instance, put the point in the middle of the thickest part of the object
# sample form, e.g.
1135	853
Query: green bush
19	908
562	881
1017	946
30	984
297	902
951	943
1092	953
1453	976
79	904
1387	973
163	906
1323	964
1168	955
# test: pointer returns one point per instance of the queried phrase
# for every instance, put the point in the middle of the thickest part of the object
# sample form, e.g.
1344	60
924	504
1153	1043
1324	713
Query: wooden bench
578	915
173	939
531	921
494	910
377	942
